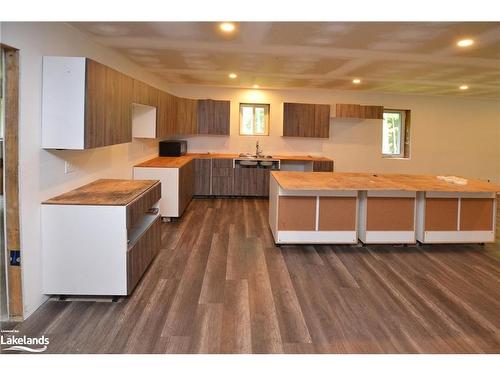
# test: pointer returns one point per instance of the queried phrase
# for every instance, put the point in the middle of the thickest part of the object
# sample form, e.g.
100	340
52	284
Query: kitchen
255	206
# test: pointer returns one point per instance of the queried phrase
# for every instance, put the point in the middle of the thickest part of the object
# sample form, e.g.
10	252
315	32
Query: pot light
232	75
227	27
464	87
356	81
465	43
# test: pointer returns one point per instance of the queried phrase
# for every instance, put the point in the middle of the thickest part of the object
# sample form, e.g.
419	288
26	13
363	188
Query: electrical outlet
69	167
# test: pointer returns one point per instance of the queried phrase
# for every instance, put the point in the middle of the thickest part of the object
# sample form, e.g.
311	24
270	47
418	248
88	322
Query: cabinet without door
306	120
213	116
222	176
85	104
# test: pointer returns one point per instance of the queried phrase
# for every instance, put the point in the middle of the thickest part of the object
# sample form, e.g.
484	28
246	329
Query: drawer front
322	166
222	167
142	204
140	255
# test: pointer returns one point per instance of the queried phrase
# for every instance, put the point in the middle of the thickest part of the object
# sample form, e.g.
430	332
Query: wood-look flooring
219	285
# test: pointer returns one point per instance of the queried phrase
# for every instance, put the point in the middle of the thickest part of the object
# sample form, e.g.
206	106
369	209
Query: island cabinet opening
456	217
387	217
312	216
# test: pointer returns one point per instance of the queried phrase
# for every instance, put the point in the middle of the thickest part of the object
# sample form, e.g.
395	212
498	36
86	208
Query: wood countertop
378	181
104	192
180	161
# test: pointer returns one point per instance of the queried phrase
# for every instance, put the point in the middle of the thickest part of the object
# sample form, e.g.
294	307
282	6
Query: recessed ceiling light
465	43
233	75
356	81
464	87
227	27
255	86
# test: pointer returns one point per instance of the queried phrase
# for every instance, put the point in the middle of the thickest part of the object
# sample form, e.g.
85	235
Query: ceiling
392	57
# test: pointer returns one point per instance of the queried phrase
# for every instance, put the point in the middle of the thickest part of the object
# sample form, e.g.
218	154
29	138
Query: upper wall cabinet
359	111
213	116
166	123
85	104
306	120
187	116
145	94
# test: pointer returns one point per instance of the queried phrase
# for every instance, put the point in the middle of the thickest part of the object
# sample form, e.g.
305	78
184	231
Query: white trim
456	194
388	237
317	214
319	193
325	237
391	193
478	236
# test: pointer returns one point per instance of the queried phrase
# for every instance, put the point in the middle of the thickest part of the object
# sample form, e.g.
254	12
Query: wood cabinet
306	120
323	166
187	116
202	176
186	186
99	239
359	111
145	94
222	176
213	116
166	115
252	182
85	104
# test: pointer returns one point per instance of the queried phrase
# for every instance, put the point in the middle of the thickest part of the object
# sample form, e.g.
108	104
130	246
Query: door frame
11	182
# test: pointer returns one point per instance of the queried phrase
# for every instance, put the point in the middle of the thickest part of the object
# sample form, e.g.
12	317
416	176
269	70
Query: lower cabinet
323	166
252	182
177	186
222	177
202	176
140	254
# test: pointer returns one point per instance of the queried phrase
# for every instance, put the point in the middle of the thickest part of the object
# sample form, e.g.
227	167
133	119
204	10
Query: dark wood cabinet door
186	185
321	120
166	115
145	94
323	166
253	182
222	177
202	176
213	117
221	117
299	120
108	106
187	113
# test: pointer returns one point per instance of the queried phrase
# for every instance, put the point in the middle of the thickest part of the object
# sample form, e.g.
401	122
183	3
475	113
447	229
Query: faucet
258	151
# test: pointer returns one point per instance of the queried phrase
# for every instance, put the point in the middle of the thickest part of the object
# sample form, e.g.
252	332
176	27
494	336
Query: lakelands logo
23	343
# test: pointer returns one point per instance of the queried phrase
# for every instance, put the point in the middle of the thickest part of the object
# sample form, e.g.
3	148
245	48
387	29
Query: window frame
267	110
402	135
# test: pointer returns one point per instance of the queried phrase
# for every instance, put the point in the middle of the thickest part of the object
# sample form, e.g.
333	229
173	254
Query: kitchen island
316	207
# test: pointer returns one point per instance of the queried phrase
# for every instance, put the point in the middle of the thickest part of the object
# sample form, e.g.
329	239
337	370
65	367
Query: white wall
42	172
448	135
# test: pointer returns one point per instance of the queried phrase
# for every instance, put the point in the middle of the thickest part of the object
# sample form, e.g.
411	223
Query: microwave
172	148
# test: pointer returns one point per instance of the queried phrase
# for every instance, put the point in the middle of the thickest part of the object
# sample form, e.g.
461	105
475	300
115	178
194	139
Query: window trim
267	111
402	135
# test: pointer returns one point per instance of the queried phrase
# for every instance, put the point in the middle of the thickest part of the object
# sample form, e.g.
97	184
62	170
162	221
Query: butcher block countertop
370	181
180	161
104	192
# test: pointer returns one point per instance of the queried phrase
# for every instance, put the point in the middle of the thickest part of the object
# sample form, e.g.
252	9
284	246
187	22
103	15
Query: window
254	119
395	133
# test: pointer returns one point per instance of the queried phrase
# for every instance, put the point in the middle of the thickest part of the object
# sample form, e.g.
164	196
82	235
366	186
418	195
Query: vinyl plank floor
220	285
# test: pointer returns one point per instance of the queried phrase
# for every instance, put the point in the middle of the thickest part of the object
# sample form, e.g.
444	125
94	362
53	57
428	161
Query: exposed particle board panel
476	214
441	214
297	213
337	213
390	214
